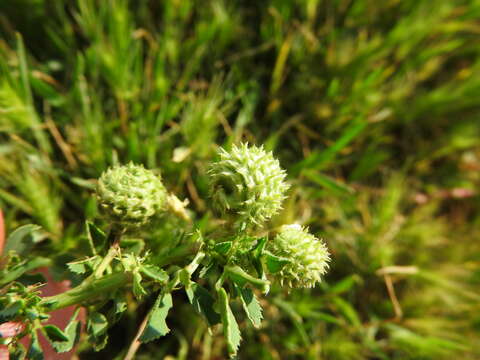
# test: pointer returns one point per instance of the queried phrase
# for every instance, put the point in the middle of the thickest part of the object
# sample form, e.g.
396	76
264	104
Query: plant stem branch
132	350
114	249
87	291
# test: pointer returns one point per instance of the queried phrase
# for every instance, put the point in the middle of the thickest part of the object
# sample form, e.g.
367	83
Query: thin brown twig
132	350
194	194
393	297
62	144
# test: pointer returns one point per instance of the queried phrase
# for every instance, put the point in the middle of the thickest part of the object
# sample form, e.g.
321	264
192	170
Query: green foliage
97	326
230	326
203	302
156	325
23	239
71	333
251	306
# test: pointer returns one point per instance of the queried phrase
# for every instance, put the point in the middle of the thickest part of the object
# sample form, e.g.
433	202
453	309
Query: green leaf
47	91
230	326
97	326
223	247
256	255
24	238
185	277
240	277
82	266
72	332
332	185
251	305
345	284
154	272
257	251
53	333
10	311
96	237
318	315
35	351
118	308
25	266
138	289
347	310
297	320
100	342
156	325
202	301
120	305
275	263
320	159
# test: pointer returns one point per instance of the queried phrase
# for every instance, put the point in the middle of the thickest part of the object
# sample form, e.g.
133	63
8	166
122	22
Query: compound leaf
82	266
251	306
230	326
97	326
10	311
138	289
53	333
202	301
156	325
275	263
24	238
25	266
223	247
72	332
154	272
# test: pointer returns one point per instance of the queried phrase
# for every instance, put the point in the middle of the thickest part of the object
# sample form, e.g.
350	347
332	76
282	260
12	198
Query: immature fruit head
248	182
130	195
308	256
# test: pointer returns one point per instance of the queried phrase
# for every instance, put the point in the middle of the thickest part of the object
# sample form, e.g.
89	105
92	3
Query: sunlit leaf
156	325
251	305
230	326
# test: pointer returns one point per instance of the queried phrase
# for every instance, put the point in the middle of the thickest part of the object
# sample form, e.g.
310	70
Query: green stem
195	263
106	260
87	291
97	285
238	274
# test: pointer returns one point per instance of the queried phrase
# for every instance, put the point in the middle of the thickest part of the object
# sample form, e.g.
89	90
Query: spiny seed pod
130	195
308	256
248	182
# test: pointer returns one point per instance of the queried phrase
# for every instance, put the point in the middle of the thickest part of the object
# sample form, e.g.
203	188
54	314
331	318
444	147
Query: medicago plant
236	261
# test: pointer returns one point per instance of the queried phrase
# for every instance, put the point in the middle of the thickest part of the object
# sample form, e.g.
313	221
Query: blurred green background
373	107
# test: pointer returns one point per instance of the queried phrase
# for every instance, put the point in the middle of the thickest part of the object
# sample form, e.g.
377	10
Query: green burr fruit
130	195
308	256
249	183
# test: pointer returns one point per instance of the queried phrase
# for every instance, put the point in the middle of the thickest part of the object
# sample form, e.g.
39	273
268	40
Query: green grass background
373	107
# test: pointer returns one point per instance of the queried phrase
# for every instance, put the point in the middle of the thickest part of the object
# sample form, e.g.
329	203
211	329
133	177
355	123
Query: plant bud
130	195
248	182
308	256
